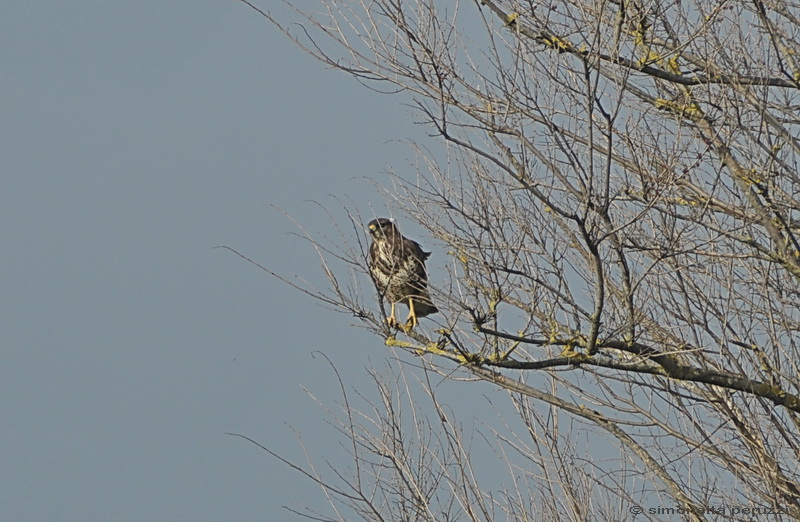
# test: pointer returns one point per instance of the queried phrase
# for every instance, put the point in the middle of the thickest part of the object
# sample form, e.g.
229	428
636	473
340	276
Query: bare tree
619	200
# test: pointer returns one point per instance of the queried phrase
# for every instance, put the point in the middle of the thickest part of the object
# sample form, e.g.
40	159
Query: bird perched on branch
397	266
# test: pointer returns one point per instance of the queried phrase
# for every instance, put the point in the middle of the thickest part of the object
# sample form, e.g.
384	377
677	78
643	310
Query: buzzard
397	265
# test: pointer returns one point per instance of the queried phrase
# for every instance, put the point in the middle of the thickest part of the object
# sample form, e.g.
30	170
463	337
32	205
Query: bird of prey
397	266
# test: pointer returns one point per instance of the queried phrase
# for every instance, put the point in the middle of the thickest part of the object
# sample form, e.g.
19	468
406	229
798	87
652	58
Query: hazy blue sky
136	136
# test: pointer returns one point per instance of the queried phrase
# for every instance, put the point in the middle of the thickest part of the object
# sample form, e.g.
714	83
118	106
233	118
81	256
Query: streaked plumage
397	265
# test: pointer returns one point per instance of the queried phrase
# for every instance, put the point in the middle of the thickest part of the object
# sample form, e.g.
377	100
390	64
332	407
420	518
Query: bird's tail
424	306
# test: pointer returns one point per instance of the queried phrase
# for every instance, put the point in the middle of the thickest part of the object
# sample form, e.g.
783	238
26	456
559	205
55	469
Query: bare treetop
617	208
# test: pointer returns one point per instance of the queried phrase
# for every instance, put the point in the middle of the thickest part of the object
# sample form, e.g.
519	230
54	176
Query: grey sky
137	136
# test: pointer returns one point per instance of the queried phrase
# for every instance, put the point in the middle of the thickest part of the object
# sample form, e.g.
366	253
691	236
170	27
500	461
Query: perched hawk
397	265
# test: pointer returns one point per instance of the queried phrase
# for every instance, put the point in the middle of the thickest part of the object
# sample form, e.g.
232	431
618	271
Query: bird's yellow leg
412	316
392	320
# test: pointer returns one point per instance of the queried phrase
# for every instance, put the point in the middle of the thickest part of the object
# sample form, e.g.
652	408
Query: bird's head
381	228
